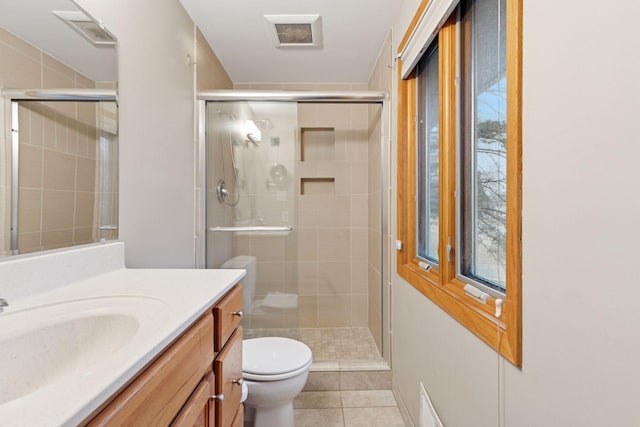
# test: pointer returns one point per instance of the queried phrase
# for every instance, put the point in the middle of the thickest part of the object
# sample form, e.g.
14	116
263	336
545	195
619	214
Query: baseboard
404	411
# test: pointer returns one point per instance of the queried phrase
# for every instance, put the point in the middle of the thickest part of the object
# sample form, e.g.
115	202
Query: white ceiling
32	20
353	32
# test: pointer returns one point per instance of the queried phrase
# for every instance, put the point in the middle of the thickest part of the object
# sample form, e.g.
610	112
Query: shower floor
349	347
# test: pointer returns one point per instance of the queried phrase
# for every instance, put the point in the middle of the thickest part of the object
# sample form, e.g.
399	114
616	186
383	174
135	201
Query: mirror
58	159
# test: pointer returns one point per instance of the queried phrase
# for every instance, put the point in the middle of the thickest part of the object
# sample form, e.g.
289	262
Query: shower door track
260	228
60	94
333	97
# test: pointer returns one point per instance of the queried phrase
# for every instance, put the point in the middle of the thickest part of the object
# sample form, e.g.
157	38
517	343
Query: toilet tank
245	262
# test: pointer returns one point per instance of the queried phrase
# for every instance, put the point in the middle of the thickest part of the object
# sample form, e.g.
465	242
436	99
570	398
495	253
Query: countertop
181	296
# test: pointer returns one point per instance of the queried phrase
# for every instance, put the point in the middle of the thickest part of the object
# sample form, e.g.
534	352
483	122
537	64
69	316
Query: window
459	172
428	181
483	153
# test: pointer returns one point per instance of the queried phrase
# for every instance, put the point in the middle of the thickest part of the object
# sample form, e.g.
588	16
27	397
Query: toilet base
281	416
270	403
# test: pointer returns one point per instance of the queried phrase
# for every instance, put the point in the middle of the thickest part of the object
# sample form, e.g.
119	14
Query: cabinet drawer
195	413
158	393
228	372
228	314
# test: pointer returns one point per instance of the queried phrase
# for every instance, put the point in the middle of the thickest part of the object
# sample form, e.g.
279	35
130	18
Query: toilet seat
274	358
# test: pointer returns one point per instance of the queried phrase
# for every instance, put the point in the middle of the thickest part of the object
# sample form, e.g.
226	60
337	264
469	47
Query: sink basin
47	344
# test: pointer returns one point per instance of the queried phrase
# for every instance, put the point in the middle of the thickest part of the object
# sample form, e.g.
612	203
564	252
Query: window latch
449	249
423	265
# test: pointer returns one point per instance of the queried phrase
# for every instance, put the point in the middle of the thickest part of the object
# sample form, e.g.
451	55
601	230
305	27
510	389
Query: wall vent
295	30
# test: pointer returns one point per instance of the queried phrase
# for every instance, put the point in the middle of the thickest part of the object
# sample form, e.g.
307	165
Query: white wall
581	316
156	128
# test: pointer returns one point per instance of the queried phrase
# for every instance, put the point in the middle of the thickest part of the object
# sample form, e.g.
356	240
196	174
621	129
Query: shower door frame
308	97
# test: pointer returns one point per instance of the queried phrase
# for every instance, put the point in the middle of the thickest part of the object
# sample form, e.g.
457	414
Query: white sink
52	343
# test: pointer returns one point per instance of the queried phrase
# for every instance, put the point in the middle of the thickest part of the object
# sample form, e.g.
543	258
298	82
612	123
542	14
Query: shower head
253	133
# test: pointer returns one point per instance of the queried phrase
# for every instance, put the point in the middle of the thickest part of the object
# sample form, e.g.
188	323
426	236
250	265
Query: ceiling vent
295	30
87	28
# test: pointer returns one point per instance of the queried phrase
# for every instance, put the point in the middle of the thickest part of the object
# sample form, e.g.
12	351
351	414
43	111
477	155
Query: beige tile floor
350	343
347	408
347	399
336	395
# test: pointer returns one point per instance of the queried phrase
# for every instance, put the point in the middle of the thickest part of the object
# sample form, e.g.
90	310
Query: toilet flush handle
239	381
237	313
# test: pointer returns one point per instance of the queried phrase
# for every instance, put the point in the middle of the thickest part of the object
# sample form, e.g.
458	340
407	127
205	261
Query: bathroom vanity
189	384
87	341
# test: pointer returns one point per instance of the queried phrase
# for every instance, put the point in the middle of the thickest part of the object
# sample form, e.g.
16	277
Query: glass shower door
251	199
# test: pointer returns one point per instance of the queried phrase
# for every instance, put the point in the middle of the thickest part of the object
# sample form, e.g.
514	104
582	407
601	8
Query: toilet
274	369
248	263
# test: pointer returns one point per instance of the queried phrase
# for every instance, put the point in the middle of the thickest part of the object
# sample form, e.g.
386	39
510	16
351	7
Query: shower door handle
260	228
107	227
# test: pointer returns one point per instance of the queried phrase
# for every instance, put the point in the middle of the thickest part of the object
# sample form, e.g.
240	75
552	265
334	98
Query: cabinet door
211	408
155	397
238	421
228	371
195	413
227	313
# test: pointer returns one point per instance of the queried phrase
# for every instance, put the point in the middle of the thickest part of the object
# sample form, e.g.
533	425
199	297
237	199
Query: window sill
479	318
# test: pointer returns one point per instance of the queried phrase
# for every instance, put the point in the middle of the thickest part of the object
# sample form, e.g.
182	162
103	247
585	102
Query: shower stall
293	189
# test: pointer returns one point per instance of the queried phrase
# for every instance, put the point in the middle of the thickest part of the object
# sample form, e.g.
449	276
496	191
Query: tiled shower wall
327	259
58	152
332	248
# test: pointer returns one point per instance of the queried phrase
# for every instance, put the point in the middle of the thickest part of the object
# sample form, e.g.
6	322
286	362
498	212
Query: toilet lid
274	355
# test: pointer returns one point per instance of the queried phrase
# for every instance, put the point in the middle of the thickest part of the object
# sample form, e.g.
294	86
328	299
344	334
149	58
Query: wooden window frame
440	284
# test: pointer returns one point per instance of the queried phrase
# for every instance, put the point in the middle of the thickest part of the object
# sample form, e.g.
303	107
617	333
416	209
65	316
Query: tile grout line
344	421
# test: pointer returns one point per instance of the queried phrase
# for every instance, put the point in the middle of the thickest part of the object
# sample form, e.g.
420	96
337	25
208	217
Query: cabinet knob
239	381
220	397
237	313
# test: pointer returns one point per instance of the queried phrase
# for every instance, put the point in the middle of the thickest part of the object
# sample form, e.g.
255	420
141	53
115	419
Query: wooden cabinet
239	419
182	386
156	396
227	313
228	371
228	363
198	411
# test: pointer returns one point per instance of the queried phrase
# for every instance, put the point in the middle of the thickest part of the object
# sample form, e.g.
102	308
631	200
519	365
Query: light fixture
87	27
251	130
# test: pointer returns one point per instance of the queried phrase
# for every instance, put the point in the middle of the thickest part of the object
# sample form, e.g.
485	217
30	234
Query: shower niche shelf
316	186
317	144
